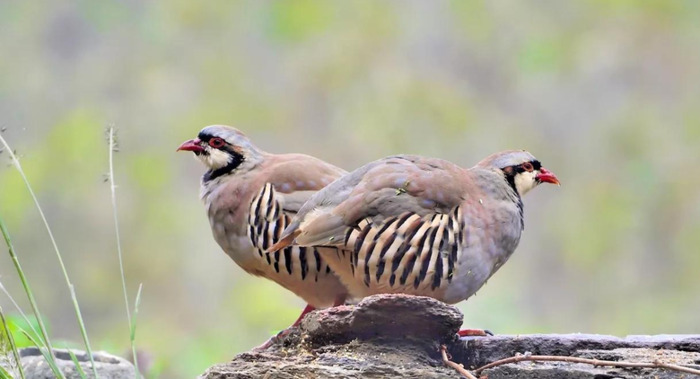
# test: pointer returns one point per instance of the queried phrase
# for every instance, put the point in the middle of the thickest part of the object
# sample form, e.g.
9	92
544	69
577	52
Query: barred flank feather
407	250
266	221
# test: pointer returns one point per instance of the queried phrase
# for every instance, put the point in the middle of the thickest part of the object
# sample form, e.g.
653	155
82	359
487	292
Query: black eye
216	142
527	166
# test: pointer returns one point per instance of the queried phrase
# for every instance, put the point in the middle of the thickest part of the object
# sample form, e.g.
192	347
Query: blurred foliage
603	92
18	325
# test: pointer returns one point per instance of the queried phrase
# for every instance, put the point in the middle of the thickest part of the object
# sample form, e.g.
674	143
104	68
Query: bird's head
521	169
222	149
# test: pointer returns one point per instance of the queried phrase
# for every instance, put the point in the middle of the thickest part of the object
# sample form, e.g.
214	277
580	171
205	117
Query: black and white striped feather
266	220
409	252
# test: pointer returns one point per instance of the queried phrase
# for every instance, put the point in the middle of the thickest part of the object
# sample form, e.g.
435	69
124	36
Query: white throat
215	158
525	181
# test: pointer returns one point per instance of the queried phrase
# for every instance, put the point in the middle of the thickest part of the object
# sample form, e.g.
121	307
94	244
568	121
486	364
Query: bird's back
409	224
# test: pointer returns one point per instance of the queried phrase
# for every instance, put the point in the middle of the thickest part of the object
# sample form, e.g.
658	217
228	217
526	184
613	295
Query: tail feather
322	229
317	228
286	240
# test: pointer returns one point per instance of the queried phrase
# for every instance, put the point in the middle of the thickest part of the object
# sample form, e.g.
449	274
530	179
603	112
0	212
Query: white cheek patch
215	159
218	158
525	181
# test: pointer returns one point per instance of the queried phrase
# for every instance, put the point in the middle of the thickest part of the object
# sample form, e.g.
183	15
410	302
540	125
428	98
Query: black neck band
235	161
510	178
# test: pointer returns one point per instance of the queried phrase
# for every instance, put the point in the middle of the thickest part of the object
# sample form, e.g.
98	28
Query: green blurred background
605	93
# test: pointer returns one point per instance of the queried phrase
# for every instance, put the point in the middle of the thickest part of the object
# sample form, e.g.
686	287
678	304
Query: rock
383	336
386	317
108	366
399	336
677	349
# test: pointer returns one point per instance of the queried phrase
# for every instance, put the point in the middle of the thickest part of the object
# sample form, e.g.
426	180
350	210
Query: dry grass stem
458	367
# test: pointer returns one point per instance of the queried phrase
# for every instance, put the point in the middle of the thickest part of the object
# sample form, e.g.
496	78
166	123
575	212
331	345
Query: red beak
546	176
191	145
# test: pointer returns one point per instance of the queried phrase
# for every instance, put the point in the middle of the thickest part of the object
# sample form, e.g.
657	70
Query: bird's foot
272	340
265	345
474	333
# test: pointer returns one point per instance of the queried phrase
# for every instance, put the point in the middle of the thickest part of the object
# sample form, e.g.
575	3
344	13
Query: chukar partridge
250	197
421	226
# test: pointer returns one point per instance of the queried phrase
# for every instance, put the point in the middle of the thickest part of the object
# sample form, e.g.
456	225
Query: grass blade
113	190
24	316
13	346
81	323
4	374
82	327
133	330
76	363
43	346
48	355
27	289
136	311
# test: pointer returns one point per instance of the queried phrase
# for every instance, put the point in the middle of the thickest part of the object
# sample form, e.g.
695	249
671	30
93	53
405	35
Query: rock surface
677	349
399	336
108	366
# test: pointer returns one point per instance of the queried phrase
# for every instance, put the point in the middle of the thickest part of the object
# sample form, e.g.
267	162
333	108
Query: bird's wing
383	189
288	181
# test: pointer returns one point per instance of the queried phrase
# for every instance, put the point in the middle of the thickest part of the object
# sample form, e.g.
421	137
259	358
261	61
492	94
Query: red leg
306	310
340	300
474	333
286	331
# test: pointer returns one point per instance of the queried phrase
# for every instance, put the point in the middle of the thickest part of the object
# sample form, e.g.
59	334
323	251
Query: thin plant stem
24	316
76	307
27	289
83	331
136	310
113	190
4	374
76	363
48	351
13	345
48	355
133	330
458	367
594	362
